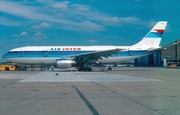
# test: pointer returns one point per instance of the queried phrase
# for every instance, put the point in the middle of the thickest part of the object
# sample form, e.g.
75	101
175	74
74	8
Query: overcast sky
84	22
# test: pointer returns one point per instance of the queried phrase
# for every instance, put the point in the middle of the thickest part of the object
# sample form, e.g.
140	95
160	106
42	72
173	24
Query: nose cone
5	56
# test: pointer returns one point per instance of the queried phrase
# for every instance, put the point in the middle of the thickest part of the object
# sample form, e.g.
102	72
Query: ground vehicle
6	67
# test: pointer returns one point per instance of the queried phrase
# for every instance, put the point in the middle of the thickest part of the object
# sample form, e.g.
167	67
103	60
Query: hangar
169	55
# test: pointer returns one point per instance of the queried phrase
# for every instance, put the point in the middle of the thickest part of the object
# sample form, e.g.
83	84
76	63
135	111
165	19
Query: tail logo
156	33
160	31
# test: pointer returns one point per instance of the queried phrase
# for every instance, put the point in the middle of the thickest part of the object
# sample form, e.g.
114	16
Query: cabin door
21	53
45	53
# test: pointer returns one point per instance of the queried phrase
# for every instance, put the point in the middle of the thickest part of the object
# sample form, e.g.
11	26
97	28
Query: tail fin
153	38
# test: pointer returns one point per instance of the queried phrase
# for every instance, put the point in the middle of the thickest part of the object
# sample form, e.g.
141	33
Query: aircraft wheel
84	69
7	69
80	69
89	69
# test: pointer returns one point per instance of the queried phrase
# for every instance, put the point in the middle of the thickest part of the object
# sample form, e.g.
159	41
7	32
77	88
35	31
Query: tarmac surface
123	91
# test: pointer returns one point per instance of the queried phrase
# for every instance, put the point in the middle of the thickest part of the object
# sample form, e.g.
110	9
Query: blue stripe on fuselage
38	54
53	54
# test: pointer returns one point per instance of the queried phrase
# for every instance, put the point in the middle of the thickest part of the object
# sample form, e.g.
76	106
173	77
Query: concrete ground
124	91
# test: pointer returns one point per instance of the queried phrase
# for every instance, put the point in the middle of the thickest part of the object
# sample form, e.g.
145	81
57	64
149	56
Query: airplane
83	57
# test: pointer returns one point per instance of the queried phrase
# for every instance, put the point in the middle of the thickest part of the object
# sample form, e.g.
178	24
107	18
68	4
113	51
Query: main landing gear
82	66
84	69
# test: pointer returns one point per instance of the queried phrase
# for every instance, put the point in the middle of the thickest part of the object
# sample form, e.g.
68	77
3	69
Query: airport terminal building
165	57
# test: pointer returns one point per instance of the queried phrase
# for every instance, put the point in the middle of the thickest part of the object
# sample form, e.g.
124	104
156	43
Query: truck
7	67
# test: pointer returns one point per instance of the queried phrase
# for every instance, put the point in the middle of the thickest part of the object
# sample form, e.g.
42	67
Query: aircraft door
45	53
130	52
21	53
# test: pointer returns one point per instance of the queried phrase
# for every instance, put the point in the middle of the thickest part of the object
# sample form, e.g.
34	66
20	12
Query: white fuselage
49	54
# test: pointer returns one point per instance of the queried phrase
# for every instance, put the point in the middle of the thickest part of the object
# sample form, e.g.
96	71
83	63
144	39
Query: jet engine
65	63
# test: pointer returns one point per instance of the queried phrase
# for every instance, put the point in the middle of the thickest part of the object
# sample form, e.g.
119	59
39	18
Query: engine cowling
65	63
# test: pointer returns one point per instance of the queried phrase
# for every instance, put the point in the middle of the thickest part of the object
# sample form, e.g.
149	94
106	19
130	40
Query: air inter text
65	49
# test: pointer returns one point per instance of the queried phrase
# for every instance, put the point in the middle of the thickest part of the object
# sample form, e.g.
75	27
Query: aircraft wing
95	55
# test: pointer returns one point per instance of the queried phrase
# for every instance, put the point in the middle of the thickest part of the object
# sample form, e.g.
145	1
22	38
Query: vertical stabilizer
153	38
